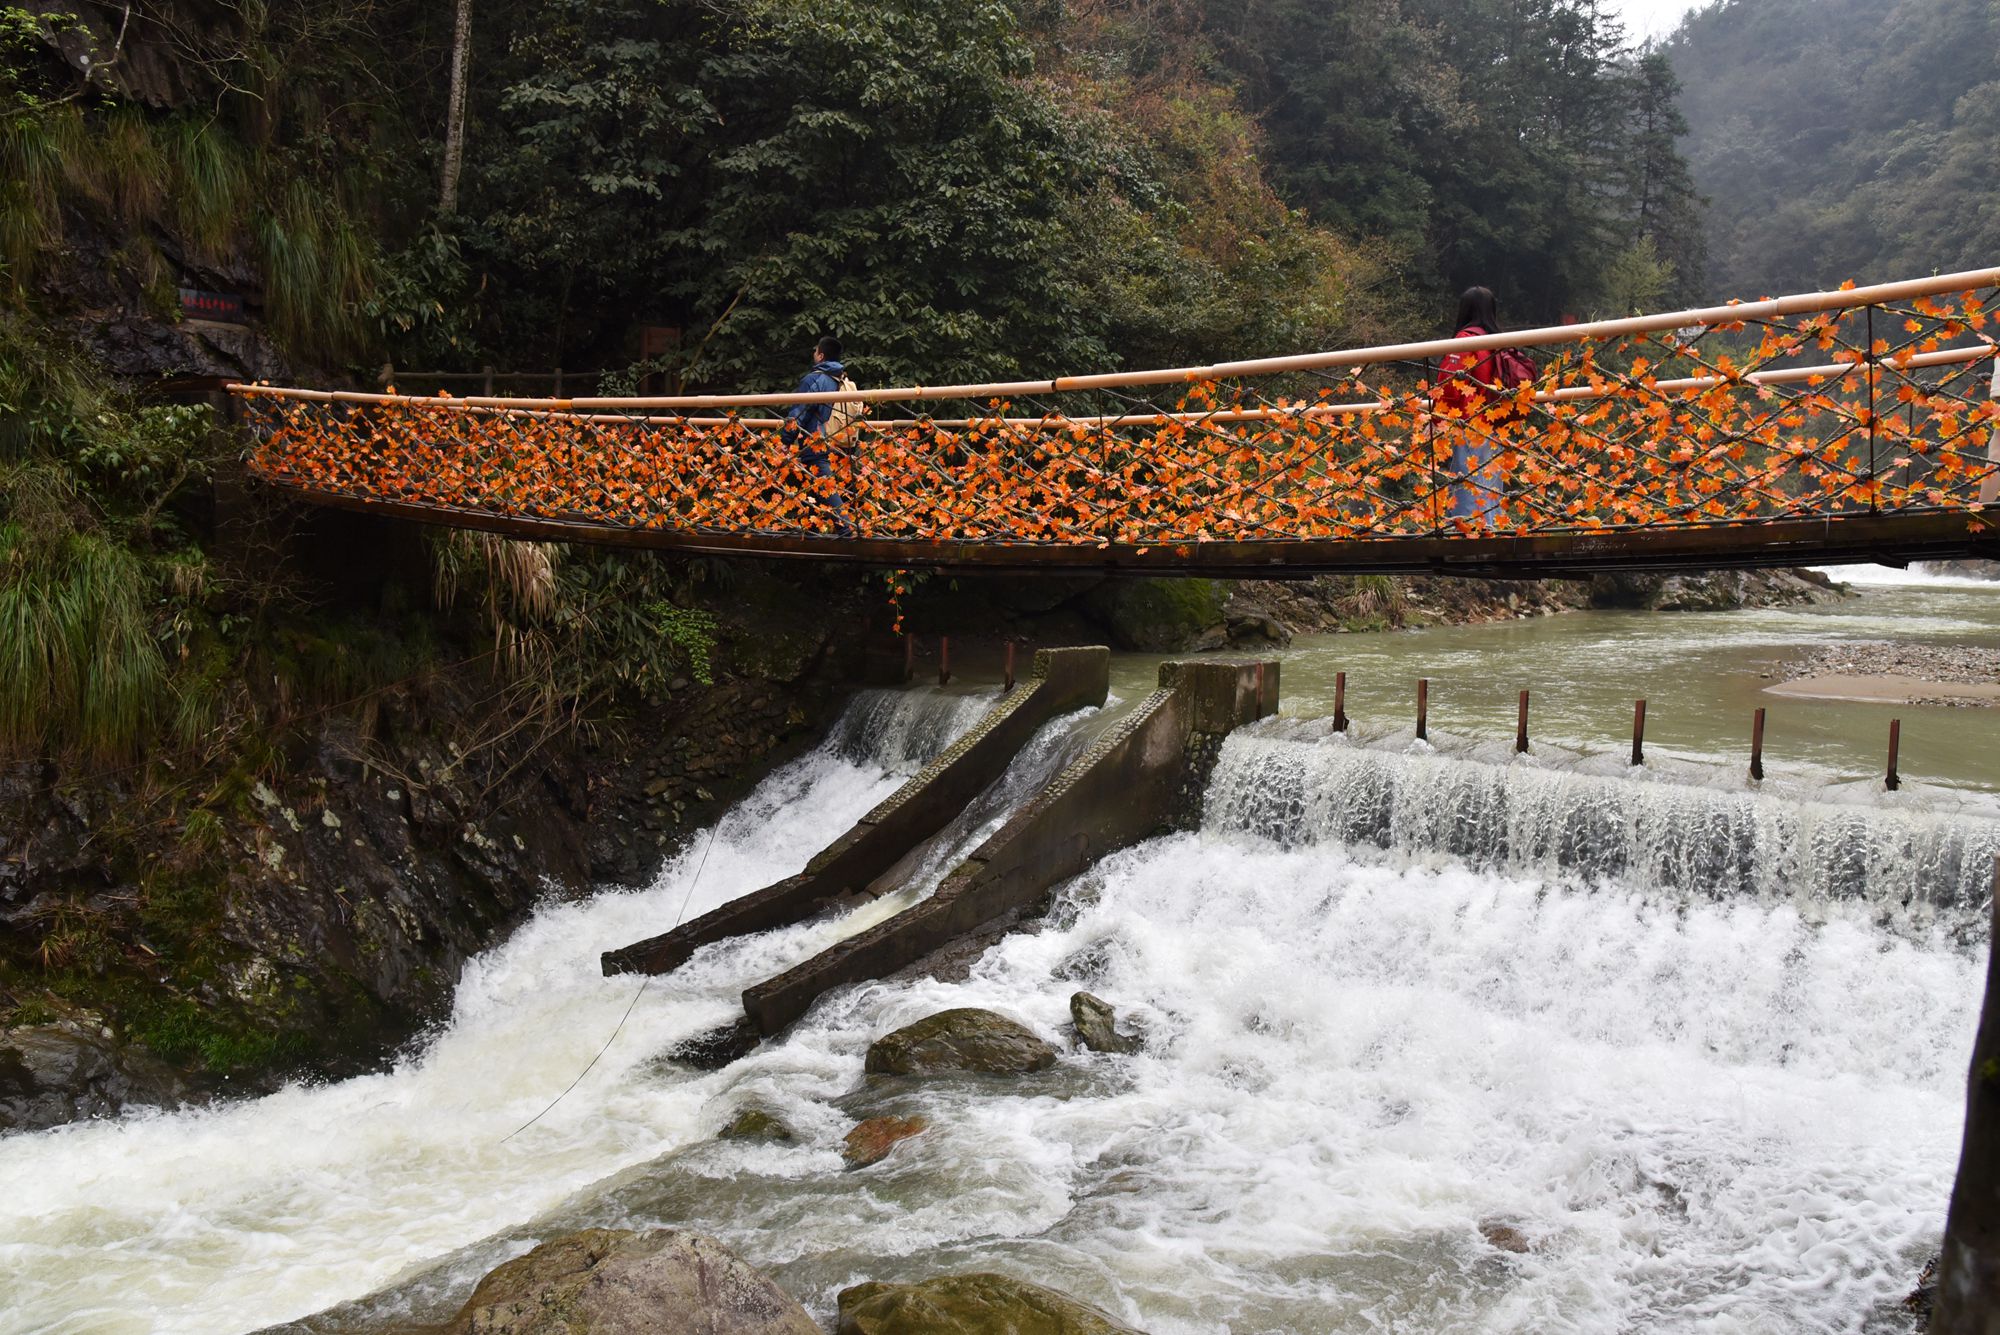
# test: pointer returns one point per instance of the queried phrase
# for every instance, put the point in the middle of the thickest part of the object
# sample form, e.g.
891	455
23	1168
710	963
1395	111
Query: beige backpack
846	412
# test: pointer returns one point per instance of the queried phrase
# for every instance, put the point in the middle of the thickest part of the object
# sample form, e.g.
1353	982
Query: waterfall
902	731
1558	824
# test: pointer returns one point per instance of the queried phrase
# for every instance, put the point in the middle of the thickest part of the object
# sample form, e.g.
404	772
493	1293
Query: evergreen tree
1842	139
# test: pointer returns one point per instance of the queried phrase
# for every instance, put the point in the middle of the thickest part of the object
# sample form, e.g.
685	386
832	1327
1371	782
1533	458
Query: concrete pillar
1968	1292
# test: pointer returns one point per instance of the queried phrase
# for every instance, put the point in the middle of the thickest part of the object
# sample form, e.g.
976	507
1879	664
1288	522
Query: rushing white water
1890	576
259	1211
1289	785
1734	1111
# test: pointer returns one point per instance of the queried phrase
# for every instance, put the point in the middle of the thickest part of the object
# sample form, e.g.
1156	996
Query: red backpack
1513	368
1469	378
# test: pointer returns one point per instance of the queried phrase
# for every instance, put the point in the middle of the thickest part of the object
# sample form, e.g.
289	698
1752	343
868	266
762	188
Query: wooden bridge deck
1891	539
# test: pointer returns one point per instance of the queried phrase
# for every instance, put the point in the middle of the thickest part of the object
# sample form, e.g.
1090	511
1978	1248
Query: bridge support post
1968	1291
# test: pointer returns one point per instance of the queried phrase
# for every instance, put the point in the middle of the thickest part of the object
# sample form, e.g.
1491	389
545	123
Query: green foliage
27	81
689	635
1514	143
1637	280
191	177
213	184
1843	139
79	660
182	1031
94	573
578	623
318	271
407	303
914	176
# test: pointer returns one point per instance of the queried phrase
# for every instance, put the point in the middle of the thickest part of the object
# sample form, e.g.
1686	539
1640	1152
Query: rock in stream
969	1305
618	1282
964	1040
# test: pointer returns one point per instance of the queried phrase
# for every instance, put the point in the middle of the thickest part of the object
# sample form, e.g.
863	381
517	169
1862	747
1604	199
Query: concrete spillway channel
1061	681
1141	778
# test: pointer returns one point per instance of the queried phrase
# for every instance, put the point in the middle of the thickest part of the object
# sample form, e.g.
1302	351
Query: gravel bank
1912	673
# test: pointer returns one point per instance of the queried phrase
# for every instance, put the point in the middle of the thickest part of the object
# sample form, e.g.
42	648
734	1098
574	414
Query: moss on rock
1158	615
966	1039
970	1305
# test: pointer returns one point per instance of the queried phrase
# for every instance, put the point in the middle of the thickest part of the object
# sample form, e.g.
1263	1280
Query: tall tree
454	116
1659	190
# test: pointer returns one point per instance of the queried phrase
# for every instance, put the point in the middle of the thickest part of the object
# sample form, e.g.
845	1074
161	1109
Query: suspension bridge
1856	425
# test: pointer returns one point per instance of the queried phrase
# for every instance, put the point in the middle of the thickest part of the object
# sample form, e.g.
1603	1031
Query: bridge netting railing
1862	401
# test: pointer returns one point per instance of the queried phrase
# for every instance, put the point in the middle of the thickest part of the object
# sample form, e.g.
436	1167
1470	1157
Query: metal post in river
1968	1291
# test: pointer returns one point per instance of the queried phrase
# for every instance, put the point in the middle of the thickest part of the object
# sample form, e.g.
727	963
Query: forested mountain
1841	139
1516	143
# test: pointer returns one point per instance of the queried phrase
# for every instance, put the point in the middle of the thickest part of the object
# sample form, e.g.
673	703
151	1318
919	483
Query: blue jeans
820	464
1478	495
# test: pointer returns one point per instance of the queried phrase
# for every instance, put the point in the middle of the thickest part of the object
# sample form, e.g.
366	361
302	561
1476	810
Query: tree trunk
1968	1290
454	116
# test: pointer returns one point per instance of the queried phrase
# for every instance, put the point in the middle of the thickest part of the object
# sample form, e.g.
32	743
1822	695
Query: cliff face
304	901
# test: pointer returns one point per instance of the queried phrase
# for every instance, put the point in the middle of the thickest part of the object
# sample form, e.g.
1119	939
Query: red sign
226	307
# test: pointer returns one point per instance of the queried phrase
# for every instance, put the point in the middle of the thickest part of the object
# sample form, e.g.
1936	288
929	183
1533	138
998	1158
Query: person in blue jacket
805	423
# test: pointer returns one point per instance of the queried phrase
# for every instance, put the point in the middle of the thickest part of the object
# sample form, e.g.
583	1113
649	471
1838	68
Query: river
1717	1081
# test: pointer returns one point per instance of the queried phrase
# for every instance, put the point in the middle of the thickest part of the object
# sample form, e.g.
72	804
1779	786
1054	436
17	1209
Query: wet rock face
329	913
960	1041
617	1282
969	1305
73	1069
870	1141
1096	1023
1718	591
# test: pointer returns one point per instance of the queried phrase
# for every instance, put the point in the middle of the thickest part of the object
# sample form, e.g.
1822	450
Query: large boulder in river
618	1282
966	1039
969	1305
1161	615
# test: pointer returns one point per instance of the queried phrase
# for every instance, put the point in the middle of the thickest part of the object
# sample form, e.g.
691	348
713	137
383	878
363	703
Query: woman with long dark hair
1466	382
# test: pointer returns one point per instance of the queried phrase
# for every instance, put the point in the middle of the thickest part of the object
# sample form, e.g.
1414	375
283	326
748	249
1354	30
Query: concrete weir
1141	778
1060	681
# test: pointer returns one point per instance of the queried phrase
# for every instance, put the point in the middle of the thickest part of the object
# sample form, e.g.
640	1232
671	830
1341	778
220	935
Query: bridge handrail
1730	314
1791	375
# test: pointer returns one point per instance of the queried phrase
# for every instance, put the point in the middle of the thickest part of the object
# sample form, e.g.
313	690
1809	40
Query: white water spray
232	1218
1723	1106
